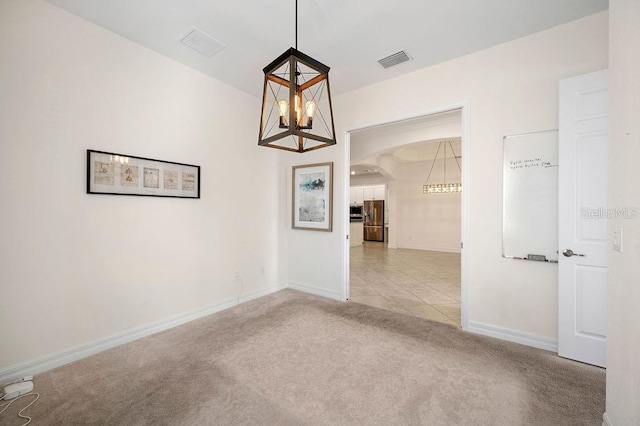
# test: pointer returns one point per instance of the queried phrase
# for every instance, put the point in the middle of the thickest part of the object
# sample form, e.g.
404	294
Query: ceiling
406	127
421	151
363	169
348	36
427	151
416	144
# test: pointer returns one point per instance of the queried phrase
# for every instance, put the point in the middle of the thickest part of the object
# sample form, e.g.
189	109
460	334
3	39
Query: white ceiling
404	127
420	151
427	151
349	36
363	169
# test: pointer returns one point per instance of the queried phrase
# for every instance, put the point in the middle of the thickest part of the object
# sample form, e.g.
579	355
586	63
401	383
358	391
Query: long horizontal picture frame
118	174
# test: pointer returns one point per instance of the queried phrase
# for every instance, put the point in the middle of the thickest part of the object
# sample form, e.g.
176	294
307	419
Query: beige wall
76	268
623	346
511	88
427	222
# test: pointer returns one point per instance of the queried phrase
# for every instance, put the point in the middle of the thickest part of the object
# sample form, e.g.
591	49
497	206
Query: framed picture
312	197
118	174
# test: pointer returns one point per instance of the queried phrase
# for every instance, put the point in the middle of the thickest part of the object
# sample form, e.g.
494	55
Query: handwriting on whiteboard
530	163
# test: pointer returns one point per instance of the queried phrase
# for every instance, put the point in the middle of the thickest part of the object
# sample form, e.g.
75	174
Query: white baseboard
512	336
606	421
48	362
315	290
430	248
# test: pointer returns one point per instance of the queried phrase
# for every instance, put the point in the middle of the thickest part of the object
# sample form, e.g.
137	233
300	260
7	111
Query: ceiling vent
395	59
202	43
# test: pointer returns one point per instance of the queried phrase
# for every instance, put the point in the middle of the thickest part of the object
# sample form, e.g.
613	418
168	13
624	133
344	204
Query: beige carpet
297	359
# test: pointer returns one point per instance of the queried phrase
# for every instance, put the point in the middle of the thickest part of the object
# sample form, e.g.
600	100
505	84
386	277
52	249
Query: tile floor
415	282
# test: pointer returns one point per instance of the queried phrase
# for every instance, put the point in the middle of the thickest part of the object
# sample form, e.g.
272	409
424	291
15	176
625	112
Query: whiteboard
530	196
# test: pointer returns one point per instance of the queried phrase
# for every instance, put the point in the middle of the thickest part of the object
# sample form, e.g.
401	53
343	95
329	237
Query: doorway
402	275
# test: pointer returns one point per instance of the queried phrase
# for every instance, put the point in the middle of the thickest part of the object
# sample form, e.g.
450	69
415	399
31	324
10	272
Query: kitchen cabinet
367	192
356	195
373	192
379	192
360	194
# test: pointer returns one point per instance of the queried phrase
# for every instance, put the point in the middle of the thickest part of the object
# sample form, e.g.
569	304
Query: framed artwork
118	174
313	197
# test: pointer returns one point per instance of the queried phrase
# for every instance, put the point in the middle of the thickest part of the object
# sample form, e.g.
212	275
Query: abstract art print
312	197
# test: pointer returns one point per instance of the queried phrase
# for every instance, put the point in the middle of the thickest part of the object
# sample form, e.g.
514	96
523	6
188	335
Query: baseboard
48	362
315	290
260	293
512	336
606	421
425	248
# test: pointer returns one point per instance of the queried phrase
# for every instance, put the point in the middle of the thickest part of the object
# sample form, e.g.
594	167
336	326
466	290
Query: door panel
591	290
592	181
591	104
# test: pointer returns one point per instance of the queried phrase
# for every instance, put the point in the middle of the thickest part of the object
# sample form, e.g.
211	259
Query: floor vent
395	59
202	43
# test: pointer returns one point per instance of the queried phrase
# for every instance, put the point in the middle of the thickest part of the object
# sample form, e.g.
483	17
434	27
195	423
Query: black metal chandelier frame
308	97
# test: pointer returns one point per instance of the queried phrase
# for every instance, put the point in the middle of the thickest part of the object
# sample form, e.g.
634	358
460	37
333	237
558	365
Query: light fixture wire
444	159
434	161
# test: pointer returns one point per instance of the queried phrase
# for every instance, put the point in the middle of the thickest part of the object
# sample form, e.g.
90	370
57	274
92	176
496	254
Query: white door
582	224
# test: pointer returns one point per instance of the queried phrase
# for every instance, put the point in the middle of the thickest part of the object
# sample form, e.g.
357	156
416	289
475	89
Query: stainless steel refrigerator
373	220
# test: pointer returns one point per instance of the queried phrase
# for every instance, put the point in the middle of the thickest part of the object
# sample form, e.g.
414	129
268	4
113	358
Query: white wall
512	88
427	221
623	329
77	267
368	180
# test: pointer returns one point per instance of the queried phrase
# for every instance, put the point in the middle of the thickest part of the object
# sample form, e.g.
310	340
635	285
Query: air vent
202	43
395	59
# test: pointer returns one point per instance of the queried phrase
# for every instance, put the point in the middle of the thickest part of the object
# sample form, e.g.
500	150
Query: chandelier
444	187
296	103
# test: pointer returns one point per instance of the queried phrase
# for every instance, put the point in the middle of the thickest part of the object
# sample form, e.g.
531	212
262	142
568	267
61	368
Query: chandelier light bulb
311	110
283	107
298	110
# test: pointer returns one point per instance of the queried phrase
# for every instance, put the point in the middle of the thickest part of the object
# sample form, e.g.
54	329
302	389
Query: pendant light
444	187
296	103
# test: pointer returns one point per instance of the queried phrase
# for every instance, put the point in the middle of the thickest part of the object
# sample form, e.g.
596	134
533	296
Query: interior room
400	167
163	264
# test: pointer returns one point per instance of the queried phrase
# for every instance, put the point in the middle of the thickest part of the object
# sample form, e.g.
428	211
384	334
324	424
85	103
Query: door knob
569	253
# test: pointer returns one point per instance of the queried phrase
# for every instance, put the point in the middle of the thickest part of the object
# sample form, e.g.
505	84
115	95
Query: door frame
465	108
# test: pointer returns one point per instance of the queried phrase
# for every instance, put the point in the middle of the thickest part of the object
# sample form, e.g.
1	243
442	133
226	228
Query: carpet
296	359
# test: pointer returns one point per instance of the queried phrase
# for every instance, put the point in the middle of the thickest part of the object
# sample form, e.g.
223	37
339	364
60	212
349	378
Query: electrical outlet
237	275
262	271
617	239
